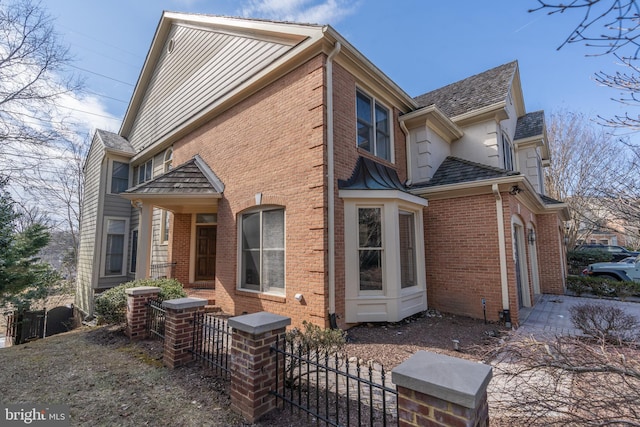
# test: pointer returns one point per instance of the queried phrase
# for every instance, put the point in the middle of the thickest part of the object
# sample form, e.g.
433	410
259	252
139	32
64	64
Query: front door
205	252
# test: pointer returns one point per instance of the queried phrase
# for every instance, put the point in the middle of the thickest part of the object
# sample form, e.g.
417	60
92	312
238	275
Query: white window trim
125	249
163	227
394	303
376	101
506	140
383	250
137	171
167	163
239	250
110	174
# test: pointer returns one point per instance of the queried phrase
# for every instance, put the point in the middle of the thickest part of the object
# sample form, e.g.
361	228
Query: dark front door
205	252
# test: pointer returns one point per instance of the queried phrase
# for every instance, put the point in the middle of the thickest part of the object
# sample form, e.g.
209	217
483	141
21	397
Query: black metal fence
212	342
163	271
155	318
331	388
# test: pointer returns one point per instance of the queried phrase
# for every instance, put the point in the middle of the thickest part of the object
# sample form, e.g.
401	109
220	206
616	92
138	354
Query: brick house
271	166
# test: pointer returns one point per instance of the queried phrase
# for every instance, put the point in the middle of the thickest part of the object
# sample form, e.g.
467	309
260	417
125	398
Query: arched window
168	160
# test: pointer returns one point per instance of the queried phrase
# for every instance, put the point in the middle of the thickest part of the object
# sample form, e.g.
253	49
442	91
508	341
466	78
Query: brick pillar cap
184	303
141	290
258	323
448	378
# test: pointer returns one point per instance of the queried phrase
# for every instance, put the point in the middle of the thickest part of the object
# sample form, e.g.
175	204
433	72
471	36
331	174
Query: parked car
617	252
615	270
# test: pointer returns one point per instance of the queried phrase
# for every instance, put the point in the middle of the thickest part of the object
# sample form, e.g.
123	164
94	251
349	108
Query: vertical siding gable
203	66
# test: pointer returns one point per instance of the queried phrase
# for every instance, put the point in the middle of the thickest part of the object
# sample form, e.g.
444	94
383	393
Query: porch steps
204	293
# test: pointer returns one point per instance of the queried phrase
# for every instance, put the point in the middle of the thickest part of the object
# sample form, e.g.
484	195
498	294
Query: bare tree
32	63
566	381
587	162
609	27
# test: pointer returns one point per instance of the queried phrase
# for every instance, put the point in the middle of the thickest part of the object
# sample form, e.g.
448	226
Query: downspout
331	188
502	248
407	144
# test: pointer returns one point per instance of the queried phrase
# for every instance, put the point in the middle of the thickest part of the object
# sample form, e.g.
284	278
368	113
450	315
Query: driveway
550	316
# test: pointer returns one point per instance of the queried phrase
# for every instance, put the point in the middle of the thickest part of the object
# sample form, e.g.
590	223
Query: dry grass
108	380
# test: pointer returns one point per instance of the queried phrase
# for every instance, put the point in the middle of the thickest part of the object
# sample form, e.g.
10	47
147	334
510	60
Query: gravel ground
108	380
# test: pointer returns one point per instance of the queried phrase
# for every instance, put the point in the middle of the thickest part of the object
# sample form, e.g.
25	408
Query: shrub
602	286
111	305
606	323
579	260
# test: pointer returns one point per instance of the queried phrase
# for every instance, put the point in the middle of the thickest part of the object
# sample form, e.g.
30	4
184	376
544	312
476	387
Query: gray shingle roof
193	177
472	93
113	141
531	124
370	175
454	170
549	200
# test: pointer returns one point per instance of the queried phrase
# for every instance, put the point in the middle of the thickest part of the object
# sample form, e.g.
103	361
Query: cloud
308	11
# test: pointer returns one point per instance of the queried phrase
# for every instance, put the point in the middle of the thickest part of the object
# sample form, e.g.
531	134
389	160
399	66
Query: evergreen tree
20	268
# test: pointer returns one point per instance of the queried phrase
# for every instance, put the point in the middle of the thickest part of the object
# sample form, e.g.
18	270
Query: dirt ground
108	380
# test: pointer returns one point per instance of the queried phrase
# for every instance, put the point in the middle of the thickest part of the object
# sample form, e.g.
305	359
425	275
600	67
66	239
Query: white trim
110	174
390	119
125	246
504	280
260	209
392	303
383	195
134	230
519	248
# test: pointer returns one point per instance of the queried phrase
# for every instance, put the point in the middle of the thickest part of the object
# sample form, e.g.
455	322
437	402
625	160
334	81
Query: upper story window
119	177
167	160
374	134
262	250
114	246
145	172
507	153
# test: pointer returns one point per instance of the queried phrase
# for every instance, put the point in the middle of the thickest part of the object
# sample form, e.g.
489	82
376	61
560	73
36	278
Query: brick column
179	330
137	299
438	390
253	366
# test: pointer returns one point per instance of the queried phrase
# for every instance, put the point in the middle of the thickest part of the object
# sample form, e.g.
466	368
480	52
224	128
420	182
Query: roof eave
435	119
496	111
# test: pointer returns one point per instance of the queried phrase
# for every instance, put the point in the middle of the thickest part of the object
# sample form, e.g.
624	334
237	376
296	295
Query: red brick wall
346	154
180	246
271	143
462	256
552	271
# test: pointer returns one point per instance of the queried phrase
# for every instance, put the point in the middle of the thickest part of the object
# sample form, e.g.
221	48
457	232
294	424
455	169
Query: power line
100	75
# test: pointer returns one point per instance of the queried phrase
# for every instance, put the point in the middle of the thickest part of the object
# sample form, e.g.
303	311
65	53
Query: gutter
501	248
331	188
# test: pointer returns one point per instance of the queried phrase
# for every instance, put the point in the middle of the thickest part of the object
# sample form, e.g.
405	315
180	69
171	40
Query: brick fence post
253	366
137	299
179	329
439	390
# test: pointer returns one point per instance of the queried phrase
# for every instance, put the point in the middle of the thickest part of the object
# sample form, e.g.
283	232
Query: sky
420	44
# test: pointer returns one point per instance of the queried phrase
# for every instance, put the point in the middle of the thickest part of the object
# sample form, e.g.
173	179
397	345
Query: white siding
428	151
203	66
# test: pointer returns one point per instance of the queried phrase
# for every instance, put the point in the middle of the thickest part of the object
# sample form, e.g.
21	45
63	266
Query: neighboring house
274	167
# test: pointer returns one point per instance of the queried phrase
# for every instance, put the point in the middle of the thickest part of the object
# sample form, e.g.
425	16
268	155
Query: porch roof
190	187
370	175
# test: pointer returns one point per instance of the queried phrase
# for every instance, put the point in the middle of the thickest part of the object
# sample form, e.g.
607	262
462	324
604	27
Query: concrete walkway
550	316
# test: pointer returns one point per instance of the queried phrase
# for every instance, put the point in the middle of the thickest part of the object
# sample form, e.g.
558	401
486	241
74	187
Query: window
119	177
407	249
370	248
374	133
134	251
114	246
507	153
262	251
145	172
165	226
168	160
